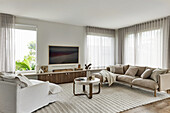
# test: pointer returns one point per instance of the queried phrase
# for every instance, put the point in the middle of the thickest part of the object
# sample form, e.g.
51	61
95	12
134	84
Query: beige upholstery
119	70
125	68
164	82
132	71
147	83
140	70
125	78
150	68
146	74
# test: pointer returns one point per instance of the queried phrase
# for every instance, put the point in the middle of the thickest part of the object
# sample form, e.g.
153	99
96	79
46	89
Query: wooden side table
83	81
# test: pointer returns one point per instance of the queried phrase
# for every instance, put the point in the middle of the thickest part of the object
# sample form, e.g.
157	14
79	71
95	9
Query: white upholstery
14	99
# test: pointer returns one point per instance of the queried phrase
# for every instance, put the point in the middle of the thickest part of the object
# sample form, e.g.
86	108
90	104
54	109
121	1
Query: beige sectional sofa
145	77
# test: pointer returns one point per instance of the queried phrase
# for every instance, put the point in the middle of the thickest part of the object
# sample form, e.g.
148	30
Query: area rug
113	99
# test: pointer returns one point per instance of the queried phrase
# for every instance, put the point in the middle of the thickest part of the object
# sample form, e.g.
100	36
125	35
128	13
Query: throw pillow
156	73
131	71
118	69
146	74
141	70
125	68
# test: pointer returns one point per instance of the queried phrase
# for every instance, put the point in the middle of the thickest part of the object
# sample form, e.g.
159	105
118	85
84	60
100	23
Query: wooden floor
162	106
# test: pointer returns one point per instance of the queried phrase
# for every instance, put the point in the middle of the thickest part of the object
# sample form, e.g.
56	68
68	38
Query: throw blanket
110	76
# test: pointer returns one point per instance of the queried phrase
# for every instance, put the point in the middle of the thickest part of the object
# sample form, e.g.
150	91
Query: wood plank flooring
162	106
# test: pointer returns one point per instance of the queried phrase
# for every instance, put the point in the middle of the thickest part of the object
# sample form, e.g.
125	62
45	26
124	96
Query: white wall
51	33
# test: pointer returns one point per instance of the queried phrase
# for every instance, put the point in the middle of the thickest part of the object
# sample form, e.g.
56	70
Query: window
25	49
100	51
149	48
144	48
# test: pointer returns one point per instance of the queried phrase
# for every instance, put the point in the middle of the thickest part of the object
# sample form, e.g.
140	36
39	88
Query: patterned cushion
148	83
118	69
132	71
146	74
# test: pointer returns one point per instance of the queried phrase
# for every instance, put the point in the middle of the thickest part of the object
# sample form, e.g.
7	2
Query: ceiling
100	13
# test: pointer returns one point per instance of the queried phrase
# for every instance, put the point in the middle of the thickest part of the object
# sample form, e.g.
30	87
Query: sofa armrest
164	82
108	68
32	97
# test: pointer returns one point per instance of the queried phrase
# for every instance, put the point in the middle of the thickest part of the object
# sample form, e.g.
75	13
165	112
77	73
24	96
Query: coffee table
84	81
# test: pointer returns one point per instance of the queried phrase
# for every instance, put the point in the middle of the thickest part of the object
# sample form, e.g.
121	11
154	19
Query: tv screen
63	55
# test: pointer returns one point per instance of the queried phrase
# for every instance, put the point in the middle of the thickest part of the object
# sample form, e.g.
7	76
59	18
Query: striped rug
112	99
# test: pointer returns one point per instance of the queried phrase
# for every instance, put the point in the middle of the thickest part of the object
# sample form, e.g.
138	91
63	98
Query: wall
51	33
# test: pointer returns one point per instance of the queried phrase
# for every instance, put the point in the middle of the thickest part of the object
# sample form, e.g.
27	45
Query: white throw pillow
54	88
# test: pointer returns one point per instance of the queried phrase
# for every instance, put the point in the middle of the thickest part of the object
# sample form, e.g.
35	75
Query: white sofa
14	99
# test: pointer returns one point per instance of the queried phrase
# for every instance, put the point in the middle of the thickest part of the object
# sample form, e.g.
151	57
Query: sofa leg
154	93
131	86
101	84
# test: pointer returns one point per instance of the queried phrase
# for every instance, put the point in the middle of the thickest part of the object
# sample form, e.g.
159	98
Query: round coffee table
84	81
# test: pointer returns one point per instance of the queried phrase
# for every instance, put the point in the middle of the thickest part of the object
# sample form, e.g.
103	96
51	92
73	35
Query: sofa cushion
140	70
146	74
118	69
156	73
150	68
125	68
132	70
125	78
147	83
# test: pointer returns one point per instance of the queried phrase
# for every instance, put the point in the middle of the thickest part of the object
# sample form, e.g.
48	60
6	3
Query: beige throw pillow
118	69
146	74
156	73
131	71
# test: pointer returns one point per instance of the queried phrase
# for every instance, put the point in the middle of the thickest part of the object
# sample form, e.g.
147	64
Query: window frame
33	28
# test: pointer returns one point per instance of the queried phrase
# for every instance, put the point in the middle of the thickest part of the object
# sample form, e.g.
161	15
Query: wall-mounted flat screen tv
63	55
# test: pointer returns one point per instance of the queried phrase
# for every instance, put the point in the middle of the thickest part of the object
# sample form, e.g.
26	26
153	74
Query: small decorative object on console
88	66
91	78
41	71
44	68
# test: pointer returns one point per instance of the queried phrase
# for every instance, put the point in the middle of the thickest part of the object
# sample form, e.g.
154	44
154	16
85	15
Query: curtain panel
7	43
100	44
147	44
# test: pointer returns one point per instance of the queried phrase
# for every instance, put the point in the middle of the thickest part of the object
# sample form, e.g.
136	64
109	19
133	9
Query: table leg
90	91
84	88
74	88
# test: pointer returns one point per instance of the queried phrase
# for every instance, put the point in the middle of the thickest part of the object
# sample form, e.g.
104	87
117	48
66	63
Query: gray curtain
7	43
100	31
136	39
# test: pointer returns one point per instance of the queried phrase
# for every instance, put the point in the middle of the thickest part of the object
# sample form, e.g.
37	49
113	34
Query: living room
84	56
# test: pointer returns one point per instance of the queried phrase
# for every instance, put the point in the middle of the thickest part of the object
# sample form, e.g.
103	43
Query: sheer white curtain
147	44
129	48
7	60
100	47
149	48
